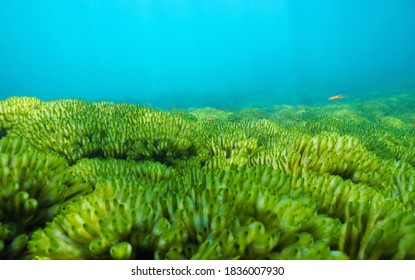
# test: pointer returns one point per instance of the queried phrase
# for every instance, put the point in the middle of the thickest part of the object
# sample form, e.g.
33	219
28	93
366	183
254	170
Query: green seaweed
99	180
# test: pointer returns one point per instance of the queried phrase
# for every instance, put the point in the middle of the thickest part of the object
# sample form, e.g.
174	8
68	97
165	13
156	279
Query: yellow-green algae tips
33	186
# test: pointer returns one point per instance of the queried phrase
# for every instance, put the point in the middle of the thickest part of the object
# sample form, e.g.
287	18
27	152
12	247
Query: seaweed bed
84	180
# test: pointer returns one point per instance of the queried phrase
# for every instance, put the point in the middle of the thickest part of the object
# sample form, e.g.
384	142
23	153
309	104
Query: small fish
339	96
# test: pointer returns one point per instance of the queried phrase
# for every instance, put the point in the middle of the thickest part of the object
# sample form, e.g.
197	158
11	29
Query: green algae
88	180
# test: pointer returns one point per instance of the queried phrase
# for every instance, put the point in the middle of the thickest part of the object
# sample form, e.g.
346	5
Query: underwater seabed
82	180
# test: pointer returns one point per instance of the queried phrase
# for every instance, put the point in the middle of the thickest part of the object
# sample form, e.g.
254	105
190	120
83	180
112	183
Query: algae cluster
84	180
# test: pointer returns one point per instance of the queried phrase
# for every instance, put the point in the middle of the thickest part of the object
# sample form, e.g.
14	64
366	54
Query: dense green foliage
82	180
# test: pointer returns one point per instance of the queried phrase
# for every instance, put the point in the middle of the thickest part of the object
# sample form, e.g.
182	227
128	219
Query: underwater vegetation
99	180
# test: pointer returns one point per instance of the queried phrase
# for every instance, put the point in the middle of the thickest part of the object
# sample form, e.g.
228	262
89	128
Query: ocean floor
101	180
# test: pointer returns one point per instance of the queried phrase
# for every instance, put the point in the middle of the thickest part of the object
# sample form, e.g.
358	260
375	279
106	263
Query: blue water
180	53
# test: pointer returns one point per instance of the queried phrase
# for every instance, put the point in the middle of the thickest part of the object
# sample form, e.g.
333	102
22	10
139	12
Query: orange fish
339	96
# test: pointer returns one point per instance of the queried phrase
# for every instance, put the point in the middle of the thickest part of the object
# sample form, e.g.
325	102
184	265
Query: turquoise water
183	53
